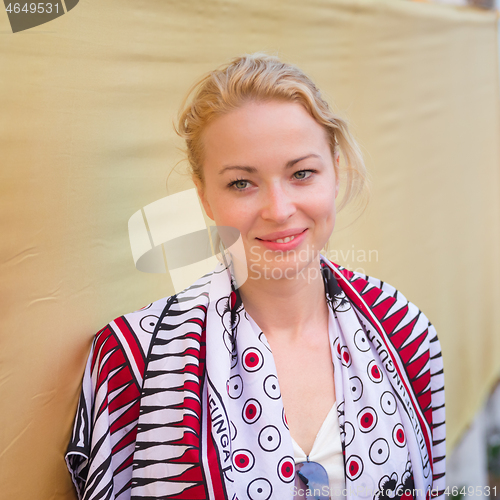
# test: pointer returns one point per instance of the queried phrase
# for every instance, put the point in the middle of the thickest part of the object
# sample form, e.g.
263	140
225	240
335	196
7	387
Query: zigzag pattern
101	449
115	413
171	398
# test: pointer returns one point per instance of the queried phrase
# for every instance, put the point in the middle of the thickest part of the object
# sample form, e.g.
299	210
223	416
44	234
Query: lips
284	241
282	236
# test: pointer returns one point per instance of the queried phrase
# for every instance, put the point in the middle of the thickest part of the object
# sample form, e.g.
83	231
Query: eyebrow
253	170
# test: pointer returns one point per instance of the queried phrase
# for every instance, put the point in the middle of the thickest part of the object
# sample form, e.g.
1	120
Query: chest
305	375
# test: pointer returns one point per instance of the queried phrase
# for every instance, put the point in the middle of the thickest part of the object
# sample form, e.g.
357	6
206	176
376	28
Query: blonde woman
306	380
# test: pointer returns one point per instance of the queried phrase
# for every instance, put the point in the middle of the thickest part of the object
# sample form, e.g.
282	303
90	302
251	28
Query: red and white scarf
212	423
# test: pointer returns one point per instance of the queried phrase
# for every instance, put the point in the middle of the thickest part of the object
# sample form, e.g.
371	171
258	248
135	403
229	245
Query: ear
336	163
202	195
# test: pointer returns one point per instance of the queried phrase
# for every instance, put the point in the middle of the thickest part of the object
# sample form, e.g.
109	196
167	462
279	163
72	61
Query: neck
288	309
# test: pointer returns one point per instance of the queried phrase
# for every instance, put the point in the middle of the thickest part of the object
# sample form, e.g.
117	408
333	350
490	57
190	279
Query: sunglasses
311	481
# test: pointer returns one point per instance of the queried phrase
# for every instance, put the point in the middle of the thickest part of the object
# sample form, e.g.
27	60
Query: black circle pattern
379	451
367	419
399	436
356	388
243	460
252	410
148	323
354	467
252	359
269	438
271	387
374	372
286	469
388	403
259	489
235	386
360	341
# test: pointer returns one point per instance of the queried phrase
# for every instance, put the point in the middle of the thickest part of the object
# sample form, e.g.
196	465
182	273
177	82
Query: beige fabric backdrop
87	103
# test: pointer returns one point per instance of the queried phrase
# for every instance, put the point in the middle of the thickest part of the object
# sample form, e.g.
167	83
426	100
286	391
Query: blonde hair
263	77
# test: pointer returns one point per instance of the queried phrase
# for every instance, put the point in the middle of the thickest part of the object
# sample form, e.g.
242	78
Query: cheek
229	214
324	207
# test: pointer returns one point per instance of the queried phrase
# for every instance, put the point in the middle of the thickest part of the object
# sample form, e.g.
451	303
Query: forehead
260	130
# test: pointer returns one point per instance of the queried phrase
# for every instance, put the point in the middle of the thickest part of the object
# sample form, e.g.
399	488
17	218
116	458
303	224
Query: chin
286	269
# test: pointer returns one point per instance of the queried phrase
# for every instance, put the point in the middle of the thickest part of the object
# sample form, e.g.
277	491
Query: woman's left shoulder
382	285
387	310
402	320
383	299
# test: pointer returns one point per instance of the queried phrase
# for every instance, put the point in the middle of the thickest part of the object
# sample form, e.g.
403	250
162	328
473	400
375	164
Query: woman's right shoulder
109	404
128	338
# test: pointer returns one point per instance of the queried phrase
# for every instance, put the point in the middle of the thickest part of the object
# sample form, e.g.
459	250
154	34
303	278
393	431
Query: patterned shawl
180	400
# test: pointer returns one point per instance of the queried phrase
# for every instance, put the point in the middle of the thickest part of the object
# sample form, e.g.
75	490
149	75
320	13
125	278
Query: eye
303	174
239	184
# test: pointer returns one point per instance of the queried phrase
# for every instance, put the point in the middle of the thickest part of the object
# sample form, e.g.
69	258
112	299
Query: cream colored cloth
327	451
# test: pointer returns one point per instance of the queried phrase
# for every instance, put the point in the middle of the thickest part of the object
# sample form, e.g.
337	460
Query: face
269	173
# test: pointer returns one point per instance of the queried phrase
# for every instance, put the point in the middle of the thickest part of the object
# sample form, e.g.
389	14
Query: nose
277	204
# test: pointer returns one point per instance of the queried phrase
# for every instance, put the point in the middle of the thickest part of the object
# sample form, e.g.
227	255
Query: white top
327	450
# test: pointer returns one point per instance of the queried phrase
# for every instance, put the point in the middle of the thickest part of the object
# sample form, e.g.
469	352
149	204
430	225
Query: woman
303	380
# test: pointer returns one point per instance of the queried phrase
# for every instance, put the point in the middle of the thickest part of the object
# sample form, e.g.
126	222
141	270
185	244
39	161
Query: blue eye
303	174
238	184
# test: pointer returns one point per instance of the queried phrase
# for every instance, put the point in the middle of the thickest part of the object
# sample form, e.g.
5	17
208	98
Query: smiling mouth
283	240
